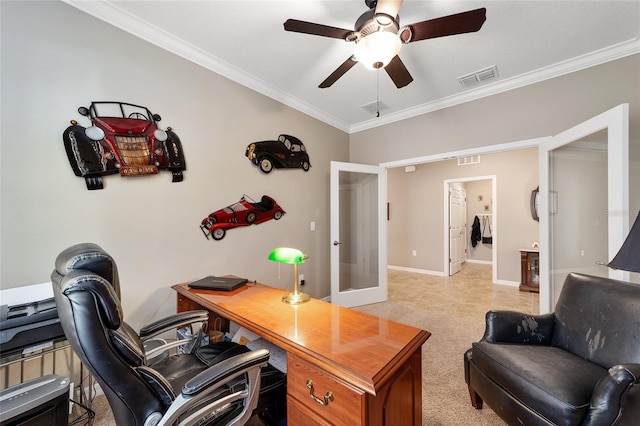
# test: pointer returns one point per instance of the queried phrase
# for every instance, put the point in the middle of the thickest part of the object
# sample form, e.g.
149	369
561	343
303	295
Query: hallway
469	294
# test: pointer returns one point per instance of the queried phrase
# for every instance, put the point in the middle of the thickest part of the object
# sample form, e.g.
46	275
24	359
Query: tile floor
468	294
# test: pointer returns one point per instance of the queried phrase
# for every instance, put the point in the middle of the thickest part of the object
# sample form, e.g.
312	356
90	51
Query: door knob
335	243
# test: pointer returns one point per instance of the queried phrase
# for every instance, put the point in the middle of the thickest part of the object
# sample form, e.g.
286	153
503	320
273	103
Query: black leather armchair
218	383
579	365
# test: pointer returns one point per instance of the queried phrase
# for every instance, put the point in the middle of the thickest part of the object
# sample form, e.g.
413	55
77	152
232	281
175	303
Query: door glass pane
358	230
578	210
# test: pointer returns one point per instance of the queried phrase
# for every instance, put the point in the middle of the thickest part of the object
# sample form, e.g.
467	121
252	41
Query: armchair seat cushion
547	379
578	365
178	369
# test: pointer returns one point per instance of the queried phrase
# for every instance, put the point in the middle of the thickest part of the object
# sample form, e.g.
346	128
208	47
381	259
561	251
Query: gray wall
55	59
417	209
530	112
533	111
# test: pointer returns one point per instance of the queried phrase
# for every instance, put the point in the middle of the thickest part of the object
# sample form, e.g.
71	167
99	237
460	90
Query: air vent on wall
472	159
478	77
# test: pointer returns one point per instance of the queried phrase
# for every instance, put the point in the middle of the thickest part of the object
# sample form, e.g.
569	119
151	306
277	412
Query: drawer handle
328	397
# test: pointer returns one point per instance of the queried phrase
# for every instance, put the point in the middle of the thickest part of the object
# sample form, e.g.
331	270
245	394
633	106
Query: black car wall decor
121	138
286	152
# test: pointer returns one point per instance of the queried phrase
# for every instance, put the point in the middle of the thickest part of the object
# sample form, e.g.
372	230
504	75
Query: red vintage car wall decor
121	138
243	213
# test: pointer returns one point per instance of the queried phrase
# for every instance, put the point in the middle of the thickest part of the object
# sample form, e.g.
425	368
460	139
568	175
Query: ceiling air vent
478	77
375	106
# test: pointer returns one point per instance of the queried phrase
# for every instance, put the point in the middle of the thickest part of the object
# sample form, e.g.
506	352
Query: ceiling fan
378	37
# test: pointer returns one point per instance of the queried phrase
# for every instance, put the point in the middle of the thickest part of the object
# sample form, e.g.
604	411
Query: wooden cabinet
530	270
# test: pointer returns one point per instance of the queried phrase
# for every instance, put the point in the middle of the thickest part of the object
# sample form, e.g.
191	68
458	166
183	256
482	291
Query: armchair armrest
199	388
172	322
612	397
517	327
195	319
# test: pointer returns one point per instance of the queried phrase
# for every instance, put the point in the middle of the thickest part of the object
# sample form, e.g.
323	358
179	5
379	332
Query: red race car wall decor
287	152
243	213
122	138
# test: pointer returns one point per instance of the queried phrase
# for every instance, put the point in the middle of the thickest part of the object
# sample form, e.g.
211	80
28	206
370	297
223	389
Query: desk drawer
347	404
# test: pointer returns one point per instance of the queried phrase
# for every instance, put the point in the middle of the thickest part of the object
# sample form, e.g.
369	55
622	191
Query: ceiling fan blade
465	22
388	7
398	72
339	72
315	29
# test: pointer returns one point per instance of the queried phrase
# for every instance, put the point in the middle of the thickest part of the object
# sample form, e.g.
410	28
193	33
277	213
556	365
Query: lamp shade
628	258
287	255
292	256
377	49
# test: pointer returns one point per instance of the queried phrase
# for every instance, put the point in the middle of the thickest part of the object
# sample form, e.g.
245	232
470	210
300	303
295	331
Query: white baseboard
481	262
508	283
416	270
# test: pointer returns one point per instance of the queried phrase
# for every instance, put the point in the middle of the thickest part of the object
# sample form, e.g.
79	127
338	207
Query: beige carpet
452	309
445	399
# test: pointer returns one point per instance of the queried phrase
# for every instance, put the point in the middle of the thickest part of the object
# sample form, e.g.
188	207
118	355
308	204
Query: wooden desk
372	366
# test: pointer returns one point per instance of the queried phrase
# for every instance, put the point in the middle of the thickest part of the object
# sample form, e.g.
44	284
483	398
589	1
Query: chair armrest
172	322
223	370
613	396
196	391
517	327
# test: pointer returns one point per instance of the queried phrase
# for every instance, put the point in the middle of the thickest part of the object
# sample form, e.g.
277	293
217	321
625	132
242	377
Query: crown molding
110	13
598	57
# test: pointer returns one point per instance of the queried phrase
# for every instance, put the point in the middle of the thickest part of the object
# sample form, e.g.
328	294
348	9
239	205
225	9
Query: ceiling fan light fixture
377	49
383	19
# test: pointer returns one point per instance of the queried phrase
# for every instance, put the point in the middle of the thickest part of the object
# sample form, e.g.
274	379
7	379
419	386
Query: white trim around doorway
489	149
494	218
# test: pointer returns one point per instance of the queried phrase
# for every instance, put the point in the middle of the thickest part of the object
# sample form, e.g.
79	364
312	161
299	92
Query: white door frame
363	296
483	150
494	228
616	122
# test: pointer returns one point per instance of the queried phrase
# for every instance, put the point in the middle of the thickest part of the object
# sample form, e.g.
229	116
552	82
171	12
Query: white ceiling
528	41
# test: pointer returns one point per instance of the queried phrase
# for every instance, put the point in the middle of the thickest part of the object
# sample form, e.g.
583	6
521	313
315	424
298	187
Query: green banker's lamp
291	256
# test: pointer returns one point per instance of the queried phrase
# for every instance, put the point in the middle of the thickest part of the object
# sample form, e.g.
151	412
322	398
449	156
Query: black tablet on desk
219	283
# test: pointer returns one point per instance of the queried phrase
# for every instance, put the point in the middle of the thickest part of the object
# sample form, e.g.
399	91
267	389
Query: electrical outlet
415	253
301	279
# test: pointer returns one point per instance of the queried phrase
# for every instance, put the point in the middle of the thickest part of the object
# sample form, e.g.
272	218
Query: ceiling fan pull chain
378	93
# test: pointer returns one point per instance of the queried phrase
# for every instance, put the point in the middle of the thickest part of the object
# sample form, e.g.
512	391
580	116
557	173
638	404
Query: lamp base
295	298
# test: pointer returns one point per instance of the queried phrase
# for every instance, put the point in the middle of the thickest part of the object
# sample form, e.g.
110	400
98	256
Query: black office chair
217	384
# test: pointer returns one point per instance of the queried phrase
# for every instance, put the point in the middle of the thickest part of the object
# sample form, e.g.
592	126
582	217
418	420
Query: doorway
480	200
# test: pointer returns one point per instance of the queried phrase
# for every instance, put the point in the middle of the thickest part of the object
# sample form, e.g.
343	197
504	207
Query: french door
358	234
584	200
